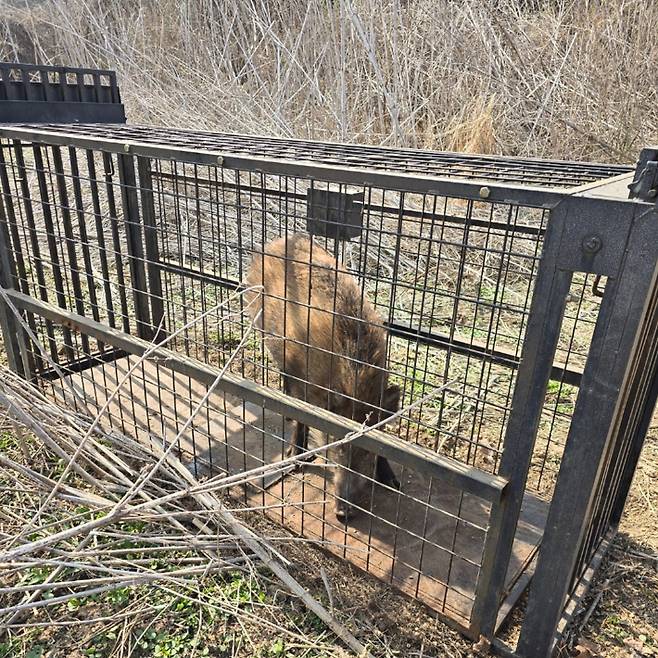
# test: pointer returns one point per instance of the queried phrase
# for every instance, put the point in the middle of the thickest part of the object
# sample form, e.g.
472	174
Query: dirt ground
624	620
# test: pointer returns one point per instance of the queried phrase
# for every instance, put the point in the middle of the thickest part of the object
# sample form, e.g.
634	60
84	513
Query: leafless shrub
558	78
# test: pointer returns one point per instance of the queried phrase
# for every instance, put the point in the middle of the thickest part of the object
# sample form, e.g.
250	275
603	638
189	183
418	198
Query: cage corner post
630	235
544	323
643	187
135	243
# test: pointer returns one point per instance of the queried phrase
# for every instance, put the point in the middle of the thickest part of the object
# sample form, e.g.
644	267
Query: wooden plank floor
426	540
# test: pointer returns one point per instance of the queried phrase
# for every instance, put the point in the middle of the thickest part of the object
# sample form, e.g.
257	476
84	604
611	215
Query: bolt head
485	192
126	148
592	244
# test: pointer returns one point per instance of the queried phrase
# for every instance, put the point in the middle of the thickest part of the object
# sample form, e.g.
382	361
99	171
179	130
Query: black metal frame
589	231
58	94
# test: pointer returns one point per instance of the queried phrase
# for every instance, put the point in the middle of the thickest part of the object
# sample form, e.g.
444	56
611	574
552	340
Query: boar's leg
299	439
384	473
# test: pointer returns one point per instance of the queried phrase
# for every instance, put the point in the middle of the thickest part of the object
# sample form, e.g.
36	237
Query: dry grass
563	78
92	520
242	613
623	602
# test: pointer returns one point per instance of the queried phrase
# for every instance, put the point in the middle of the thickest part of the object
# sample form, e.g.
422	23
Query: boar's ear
391	399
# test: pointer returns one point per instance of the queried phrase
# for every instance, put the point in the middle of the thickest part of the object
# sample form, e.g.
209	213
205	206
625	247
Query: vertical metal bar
544	323
485	609
82	227
34	240
12	246
8	327
52	244
151	245
10	215
108	168
636	445
100	238
592	430
135	244
69	238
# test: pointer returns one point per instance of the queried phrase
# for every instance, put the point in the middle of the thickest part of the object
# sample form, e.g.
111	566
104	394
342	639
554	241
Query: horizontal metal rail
416	457
481	190
474	348
372	208
80	365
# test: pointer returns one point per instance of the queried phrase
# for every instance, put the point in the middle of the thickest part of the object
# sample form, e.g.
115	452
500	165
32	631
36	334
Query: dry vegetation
549	78
563	78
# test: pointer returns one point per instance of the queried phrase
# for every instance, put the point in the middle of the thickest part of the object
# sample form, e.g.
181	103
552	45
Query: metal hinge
645	182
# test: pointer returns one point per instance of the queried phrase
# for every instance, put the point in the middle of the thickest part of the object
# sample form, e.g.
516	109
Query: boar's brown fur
329	342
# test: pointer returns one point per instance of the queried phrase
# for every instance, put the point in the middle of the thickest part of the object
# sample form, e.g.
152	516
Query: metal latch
645	183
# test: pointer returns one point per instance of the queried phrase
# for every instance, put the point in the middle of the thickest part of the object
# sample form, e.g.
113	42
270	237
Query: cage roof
486	168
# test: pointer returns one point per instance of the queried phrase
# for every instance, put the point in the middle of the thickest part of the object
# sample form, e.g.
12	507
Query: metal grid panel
148	246
427	539
450	279
613	480
423	274
32	82
533	172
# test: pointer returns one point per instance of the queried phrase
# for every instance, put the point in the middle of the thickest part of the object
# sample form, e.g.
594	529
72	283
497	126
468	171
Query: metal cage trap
509	305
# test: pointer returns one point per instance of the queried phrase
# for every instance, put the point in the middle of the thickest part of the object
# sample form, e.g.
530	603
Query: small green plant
133	527
101	646
170	646
35	576
615	628
277	648
7	649
119	597
7	442
35	651
565	391
553	386
241	590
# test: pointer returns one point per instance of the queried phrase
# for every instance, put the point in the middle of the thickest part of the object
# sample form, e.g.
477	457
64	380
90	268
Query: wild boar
330	344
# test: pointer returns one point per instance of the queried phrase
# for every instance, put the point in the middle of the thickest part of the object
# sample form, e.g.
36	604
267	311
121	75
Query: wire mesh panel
449	279
539	173
288	309
426	538
621	448
68	232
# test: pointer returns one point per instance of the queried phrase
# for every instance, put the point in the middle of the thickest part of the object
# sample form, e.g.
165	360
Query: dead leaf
587	649
481	647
